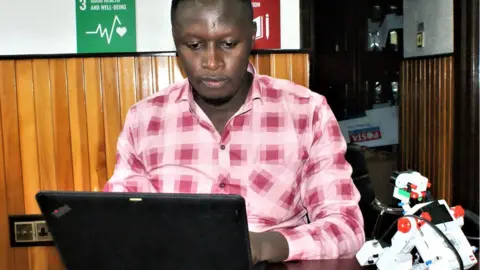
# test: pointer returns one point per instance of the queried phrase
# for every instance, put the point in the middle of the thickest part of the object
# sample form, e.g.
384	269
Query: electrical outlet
24	232
29	230
41	232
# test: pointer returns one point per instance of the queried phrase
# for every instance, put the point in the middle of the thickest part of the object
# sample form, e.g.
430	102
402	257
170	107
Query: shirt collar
256	89
255	92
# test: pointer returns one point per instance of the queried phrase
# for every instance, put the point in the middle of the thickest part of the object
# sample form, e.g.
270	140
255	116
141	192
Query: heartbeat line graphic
108	34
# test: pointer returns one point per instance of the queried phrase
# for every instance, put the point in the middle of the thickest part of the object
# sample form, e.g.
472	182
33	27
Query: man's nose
212	59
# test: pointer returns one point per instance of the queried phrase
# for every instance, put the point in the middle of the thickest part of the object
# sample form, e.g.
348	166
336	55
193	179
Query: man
228	130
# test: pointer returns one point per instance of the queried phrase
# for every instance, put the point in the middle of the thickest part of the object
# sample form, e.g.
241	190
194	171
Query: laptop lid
97	230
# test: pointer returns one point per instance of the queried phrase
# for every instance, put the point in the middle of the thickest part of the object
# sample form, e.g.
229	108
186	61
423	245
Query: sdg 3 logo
105	26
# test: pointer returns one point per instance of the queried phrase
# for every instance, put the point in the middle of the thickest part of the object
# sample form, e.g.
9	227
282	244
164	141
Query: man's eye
229	45
194	46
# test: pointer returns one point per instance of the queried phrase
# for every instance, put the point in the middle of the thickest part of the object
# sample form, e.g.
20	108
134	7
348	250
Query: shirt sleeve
329	195
129	174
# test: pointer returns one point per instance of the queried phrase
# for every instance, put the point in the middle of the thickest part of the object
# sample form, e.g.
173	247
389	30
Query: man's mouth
214	82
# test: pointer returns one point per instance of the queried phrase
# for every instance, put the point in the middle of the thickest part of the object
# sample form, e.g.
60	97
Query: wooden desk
346	264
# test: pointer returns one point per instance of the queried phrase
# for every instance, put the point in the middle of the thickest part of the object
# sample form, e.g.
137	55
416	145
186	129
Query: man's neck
227	109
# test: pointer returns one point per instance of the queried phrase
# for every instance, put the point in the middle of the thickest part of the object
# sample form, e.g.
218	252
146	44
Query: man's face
214	43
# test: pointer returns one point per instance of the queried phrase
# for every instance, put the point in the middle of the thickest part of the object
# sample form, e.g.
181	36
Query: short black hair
246	3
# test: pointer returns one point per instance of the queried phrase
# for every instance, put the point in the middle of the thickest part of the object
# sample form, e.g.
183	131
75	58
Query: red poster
266	14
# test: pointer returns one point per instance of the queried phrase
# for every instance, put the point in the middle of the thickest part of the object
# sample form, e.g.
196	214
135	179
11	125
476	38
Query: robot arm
398	256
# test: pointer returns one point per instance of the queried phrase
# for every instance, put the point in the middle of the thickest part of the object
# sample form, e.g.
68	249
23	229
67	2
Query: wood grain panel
27	119
11	149
426	121
59	123
280	66
95	123
127	85
111	111
78	125
144	77
299	67
162	72
45	145
28	143
467	105
6	254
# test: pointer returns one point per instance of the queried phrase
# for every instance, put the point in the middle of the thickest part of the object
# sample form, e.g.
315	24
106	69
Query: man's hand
255	247
268	246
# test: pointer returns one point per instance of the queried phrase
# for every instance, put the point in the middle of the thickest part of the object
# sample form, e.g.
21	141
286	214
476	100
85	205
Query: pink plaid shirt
282	151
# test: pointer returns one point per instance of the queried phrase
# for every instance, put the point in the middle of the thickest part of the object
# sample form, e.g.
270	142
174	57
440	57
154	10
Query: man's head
214	39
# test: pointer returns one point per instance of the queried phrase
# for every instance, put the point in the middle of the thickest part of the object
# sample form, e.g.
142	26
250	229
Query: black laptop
97	230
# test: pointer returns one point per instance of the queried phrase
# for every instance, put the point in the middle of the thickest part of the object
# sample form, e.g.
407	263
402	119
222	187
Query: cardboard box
378	127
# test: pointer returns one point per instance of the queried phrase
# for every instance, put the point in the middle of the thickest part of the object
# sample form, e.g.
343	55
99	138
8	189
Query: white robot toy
429	234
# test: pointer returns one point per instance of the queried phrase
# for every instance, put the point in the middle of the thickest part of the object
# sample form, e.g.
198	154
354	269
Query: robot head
411	184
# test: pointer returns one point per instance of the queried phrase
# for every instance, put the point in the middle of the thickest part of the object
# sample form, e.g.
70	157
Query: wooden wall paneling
167	70
28	133
252	60
467	98
78	124
448	113
45	146
281	66
28	144
144	77
163	72
111	111
61	125
294	67
95	123
6	254
403	117
262	63
439	130
433	99
426	119
300	68
177	69
44	122
12	153
416	115
426	122
127	85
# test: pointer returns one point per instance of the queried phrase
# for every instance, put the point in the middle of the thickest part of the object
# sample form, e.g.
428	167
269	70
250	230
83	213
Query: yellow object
420	40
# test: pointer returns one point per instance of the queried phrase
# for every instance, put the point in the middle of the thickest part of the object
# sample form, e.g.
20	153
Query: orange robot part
404	225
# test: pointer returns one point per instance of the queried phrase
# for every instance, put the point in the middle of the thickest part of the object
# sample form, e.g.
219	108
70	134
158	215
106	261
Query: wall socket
29	230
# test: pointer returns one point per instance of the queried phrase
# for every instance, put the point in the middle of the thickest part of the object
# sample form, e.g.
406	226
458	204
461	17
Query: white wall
437	16
37	27
49	26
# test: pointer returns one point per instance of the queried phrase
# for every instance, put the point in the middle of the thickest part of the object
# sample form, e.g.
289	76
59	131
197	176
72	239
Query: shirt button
222	147
222	185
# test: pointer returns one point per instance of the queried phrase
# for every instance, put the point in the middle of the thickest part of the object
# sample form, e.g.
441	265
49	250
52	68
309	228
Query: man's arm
329	195
129	174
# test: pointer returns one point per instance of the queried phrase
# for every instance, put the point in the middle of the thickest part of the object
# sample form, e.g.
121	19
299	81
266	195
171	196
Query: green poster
105	26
